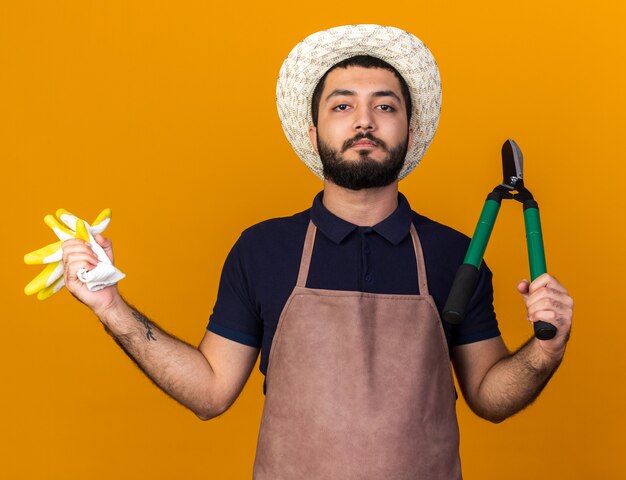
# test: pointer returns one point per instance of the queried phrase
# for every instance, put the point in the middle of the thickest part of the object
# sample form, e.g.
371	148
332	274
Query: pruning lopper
467	275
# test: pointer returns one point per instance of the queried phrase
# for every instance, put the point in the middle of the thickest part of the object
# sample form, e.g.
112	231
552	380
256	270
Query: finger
548	304
51	290
48	254
99	251
83	257
561	316
81	230
561	306
78	250
46	277
106	245
72	268
561	320
101	222
69	219
72	242
550	295
545	316
75	246
546	280
104	242
59	230
550	318
522	286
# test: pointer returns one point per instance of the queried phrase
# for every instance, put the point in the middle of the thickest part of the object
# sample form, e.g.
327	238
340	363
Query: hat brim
315	55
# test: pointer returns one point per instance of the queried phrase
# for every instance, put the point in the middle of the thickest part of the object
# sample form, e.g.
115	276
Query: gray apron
359	386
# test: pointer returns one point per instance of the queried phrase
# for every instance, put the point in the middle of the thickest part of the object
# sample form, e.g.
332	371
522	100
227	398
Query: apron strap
419	258
307	252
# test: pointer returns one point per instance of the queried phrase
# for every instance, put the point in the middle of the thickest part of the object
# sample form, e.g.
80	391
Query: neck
364	208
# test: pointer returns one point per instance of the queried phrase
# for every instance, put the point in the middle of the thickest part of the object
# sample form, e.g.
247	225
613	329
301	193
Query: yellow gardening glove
65	226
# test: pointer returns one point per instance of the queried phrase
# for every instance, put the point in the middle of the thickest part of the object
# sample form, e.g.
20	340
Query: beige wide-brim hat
315	55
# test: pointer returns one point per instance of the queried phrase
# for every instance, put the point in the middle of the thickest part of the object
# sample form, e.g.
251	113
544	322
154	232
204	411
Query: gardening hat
315	55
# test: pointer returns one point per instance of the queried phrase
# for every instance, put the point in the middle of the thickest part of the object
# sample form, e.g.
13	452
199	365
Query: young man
346	296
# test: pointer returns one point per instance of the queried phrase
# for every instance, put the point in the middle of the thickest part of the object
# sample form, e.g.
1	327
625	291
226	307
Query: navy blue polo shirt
260	271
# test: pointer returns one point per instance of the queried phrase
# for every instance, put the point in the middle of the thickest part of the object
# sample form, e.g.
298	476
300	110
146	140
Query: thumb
523	287
106	245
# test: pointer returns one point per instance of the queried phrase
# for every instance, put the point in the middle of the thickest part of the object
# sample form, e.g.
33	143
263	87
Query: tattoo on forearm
146	323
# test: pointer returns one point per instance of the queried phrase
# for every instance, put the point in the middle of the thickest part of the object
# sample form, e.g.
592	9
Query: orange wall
164	111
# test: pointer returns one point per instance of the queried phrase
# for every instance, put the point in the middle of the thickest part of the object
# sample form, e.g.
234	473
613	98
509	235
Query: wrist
114	312
548	357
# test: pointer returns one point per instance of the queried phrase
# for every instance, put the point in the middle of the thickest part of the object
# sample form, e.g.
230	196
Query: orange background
164	111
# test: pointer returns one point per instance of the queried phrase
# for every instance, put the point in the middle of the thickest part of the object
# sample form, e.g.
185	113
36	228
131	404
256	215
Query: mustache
361	136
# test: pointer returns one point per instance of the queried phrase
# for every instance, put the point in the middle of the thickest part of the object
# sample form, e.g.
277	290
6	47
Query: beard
364	172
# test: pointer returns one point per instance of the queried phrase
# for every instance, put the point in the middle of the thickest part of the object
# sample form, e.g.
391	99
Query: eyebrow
379	93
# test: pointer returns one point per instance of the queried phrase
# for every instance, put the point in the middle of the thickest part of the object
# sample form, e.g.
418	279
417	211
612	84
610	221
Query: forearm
515	381
498	384
176	367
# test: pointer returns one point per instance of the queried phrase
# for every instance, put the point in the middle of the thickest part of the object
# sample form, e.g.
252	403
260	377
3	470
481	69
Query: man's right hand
79	254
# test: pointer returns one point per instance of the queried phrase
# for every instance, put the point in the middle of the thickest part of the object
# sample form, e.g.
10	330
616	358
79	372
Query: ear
313	137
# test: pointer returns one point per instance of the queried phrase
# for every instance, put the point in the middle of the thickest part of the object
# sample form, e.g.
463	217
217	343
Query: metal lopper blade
512	164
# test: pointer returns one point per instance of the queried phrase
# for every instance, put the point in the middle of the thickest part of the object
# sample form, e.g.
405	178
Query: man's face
362	131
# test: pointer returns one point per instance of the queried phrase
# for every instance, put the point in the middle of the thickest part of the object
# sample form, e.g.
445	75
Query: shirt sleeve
234	316
480	321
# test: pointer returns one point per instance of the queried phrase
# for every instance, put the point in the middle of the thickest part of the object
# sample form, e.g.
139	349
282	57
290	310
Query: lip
363	144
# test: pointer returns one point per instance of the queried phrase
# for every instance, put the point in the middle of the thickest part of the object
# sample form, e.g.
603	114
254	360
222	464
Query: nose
364	120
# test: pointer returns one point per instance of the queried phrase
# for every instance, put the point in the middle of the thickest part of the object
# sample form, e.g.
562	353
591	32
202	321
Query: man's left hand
547	300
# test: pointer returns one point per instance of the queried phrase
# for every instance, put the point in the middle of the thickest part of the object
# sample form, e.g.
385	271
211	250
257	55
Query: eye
386	108
342	107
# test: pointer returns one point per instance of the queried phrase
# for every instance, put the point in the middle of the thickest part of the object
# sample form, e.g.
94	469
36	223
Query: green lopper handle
478	245
537	260
467	275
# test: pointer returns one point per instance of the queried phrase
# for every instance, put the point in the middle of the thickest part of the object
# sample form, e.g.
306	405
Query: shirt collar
393	228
